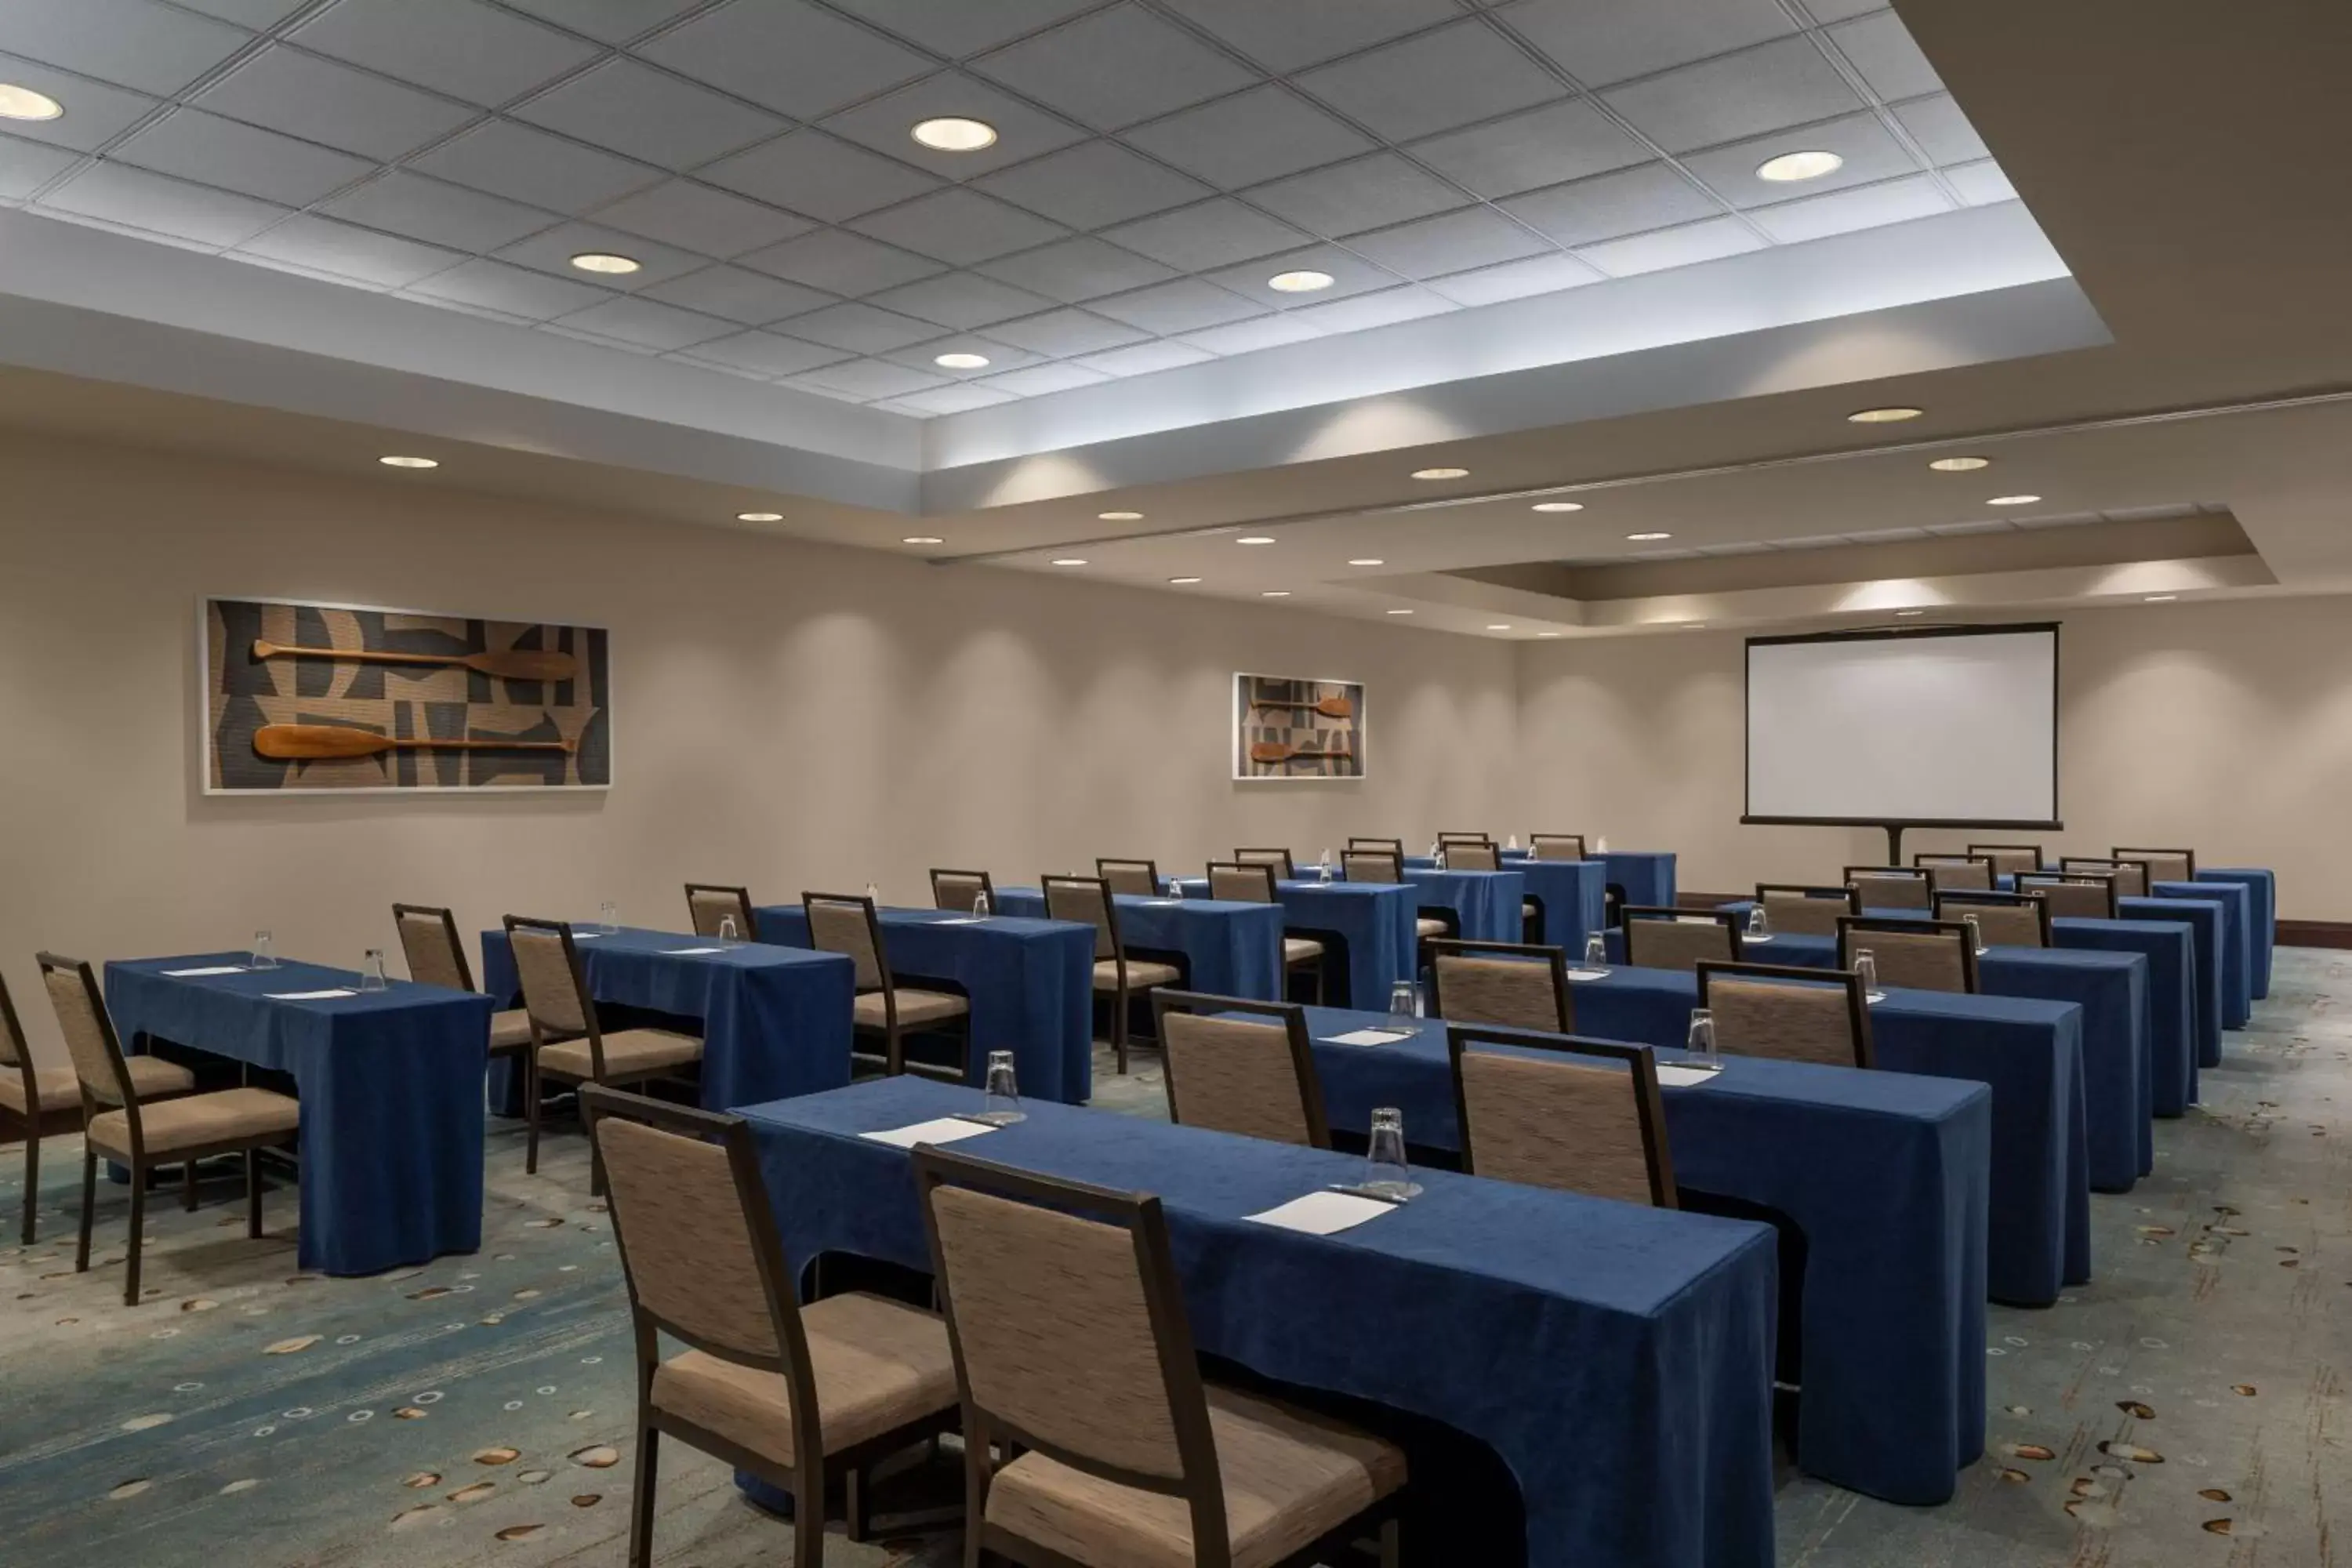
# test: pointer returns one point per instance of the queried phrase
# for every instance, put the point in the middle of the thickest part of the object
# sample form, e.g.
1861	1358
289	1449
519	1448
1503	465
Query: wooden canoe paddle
499	664
327	743
1331	707
1275	753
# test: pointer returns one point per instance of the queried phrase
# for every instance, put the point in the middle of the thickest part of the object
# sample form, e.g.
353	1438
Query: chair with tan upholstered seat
569	1043
1892	887
1254	884
142	1133
1660	938
1074	1352
710	905
1087	900
1449	840
1916	955
1277	858
428	937
1240	1066
1131	879
2003	919
1463	856
2132	878
2163	865
2010	859
1373	861
1792	1014
1579	1115
847	923
1392	846
1511	985
1792	909
1956	873
962	890
2074	895
799	1396
1555	846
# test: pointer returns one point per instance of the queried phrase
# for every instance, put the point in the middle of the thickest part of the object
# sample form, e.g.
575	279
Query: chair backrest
1371	865
1462	855
429	938
960	890
1138	878
707	903
1917	955
1238	1075
1956	873
1240	882
1558	1111
2073	895
1447	840
845	923
1393	845
1086	900
2163	865
90	1034
2131	876
1794	1015
1067	1322
1891	887
1277	858
1658	938
1555	846
554	989
1793	910
13	1050
2010	859
2003	919
1515	985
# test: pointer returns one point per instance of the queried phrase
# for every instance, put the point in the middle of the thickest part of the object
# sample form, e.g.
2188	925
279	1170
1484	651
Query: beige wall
792	716
2224	726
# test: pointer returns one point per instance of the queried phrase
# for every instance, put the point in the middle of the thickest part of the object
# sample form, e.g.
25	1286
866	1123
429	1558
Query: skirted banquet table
391	1085
1484	906
1366	929
2261	916
1573	895
2236	899
1227	949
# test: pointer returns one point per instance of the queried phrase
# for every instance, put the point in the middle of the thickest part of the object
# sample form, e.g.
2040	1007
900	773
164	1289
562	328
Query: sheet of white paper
1752	941
1323	1214
586	935
312	996
1161	903
961	921
1588	974
941	1129
211	969
1875	997
1367	1038
1672	1077
690	951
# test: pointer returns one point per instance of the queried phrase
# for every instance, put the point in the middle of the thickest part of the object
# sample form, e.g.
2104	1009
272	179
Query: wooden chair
568	1042
1792	909
1087	900
1582	1116
2010	859
1134	878
1254	884
800	1396
1463	856
1819	1015
2003	919
1956	873
1509	985
1393	845
1891	887
1660	938
848	923
1074	1352
2163	865
1916	955
1228	1073
961	890
2132	878
1448	840
1555	846
429	938
142	1134
707	903
2073	895
1277	858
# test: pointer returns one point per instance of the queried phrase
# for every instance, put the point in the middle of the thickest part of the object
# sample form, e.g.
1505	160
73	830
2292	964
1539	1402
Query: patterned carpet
2188	1407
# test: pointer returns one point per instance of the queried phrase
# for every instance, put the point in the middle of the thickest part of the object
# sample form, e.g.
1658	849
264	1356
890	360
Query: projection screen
1942	726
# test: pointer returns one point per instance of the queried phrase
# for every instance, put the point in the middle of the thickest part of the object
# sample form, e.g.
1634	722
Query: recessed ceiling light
922	539
24	103
1276	594
1906	614
953	133
2161	598
1069	561
1647	538
962	362
1559	506
1883	416
1440	473
1548	634
1120	516
1304	281
2012	501
1254	538
1960	464
1502	628
606	262
1399	612
1790	167
1184	582
410	462
1693	626
759	517
1367	561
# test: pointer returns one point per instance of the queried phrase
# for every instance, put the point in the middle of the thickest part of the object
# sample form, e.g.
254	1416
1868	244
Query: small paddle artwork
502	664
1288	727
332	742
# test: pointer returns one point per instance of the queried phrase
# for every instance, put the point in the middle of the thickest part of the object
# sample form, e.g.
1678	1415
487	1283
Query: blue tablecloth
2208	917
2169	949
1484	904
2237	942
2262	912
1371	923
1228	948
1574	895
1031	984
1618	1358
775	1020
391	1085
1647	876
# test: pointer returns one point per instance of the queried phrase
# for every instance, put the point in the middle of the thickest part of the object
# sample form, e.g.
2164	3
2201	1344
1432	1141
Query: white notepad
1672	1077
690	951
327	995
1323	1214
1575	974
211	969
1368	1037
1875	997
940	1130
586	935
961	921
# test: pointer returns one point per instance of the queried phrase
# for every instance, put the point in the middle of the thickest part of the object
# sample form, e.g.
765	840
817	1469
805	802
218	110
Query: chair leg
856	1503
530	1111
1119	1027
641	1506
1388	1544
89	1205
975	1490
188	1187
894	1051
253	1193
32	1174
138	1225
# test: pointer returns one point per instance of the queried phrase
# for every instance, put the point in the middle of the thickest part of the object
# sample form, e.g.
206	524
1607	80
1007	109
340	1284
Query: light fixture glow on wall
955	133
1790	168
1647	538
1184	582
1883	415
606	262
1120	516
759	517
2160	598
961	362
398	462
1254	538
1548	634
922	539
1069	561
1305	280
1503	626
1558	506
1276	594
1960	464
1367	561
24	103
1399	612
1440	473
2012	501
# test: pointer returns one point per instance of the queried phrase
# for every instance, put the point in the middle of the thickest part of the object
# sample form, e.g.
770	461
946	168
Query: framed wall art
1286	727
346	698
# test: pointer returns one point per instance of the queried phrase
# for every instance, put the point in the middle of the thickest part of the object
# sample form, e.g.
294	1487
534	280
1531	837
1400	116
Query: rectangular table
1031	984
1228	948
775	1020
1647	876
1370	922
391	1085
2237	941
1485	905
2205	917
2169	949
1618	1358
1574	895
2262	912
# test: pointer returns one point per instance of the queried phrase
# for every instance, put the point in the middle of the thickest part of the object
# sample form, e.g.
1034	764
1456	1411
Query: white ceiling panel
793	57
840	263
321	101
1287	36
864	378
1381	310
1250	138
1842	212
404	204
27	166
1434	82
886	124
962	300
1143	359
1363	193
959	226
1063	333
254	14
958	398
1248	337
194	145
1942	132
650	115
1093	185
737	294
1735	96
134	198
699	218
827	178
462	48
1981	184
1115	68
1604	41
764	353
860	329
1882	49
1452	242
1827	11
1076	269
614	21
1185	305
1038	380
1350	274
648	324
511	290
1517	280
135	43
1652	195
552	251
95	114
1686	247
1870	153
1546	146
1213	234
527	165
323	245
961	30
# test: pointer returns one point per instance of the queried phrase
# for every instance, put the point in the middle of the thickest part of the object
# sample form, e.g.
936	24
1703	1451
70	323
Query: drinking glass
874	895
371	975
1756	924
1865	966
1976	933
1596	953
1512	847
608	917
264	955
1405	1005
979	904
1386	1173
728	935
1176	888
1004	1092
1701	1041
1601	845
1323	868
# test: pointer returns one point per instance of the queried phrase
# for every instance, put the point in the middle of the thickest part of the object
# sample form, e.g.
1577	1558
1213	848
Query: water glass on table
1386	1173
1865	969
1757	925
1404	1006
728	935
980	905
1976	933
371	974
1700	1043
608	917
264	954
1003	1095
1596	953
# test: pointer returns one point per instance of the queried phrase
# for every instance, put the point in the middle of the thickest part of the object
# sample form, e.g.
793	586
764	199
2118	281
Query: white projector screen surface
1956	727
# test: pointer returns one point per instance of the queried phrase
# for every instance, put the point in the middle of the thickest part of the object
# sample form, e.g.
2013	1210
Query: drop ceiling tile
1517	281
340	250
648	324
1183	306
1454	242
788	55
194	145
867	378
247	13
764	353
1627	201
1600	42
699	218
1143	359
1546	146
1981	184
1065	333
1733	97
1249	138
95	114
961	30
552	251
1350	197
1115	68
827	178
511	290
610	20
1248	337
1381	310
860	329
133	43
319	100
527	165
1684	246
1093	185
752	298
886	124
840	263
27	166
1284	37
405	203
1942	132
1213	234
1038	380
959	226
1881	48
1842	212
1076	269
562	330
137	199
962	300
462	48
1350	274
1870	153
650	115
956	399
466	308
1828	11
1434	82
924	356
